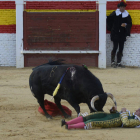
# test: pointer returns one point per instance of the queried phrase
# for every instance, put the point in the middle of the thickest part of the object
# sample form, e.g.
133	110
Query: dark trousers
119	53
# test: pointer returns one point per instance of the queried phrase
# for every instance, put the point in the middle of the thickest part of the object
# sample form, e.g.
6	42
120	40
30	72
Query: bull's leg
90	108
74	105
37	92
41	103
58	103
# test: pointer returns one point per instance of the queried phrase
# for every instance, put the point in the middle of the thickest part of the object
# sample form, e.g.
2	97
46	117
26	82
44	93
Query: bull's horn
95	98
112	97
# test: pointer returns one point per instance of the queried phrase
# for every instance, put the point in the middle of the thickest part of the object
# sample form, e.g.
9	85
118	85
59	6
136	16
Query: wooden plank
61	31
97	31
25	45
32	60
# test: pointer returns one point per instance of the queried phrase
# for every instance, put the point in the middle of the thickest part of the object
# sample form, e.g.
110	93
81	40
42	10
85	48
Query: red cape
53	110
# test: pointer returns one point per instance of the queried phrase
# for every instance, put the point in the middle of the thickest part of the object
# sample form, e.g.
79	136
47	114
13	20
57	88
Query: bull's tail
57	62
98	97
30	85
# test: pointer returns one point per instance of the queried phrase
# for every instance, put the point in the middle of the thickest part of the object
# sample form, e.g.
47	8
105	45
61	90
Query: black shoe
113	64
120	65
66	126
63	122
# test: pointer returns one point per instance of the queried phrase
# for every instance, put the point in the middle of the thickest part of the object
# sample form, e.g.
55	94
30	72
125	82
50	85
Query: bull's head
103	101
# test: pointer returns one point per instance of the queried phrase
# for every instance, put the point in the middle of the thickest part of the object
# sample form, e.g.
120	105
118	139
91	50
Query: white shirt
124	14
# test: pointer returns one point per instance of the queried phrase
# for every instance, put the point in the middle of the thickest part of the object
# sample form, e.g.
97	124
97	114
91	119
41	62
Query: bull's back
49	76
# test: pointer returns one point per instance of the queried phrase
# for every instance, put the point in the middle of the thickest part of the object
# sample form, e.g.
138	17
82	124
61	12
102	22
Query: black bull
78	86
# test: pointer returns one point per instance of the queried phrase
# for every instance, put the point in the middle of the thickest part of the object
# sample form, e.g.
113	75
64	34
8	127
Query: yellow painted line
133	13
108	12
59	10
7	16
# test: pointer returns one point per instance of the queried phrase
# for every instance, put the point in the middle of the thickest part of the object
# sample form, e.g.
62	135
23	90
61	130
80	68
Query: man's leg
113	53
80	125
73	121
120	54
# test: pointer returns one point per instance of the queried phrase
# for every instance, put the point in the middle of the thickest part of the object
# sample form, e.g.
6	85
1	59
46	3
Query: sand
20	119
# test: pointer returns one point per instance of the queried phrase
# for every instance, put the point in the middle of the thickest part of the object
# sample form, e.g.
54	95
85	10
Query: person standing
119	22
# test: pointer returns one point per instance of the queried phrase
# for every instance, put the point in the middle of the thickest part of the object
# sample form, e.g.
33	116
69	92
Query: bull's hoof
67	116
48	117
63	122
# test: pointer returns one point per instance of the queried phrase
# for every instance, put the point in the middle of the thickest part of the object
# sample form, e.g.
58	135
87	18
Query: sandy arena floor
20	119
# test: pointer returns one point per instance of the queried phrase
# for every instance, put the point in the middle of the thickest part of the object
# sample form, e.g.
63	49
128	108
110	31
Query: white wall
131	52
7	49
